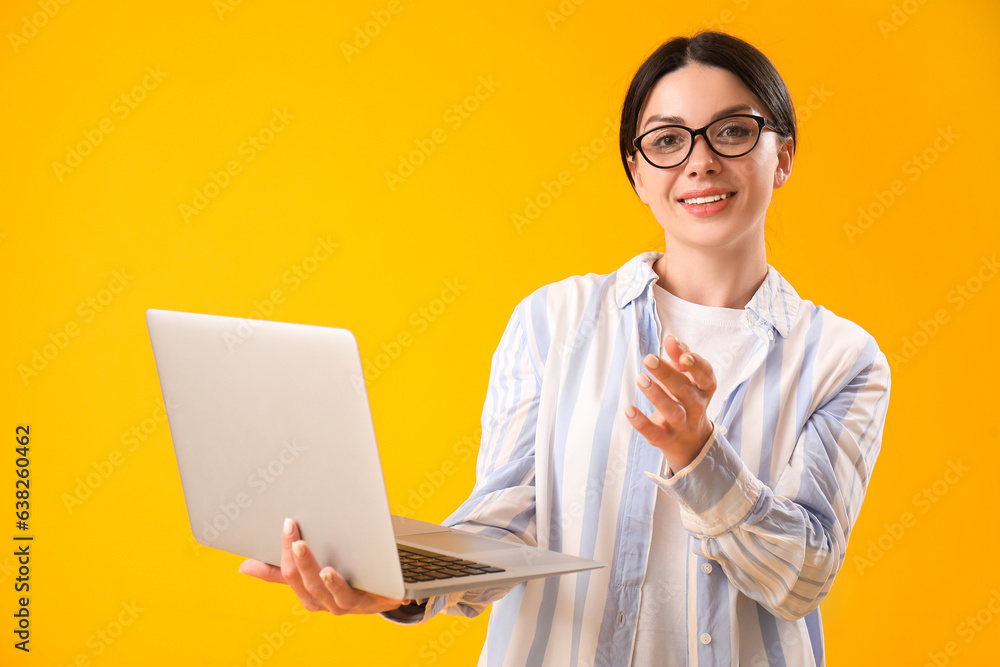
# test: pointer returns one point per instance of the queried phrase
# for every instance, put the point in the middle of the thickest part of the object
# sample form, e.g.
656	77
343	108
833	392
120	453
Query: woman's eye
733	132
666	140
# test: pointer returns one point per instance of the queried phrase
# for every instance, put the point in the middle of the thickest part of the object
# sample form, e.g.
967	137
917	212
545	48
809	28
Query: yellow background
875	84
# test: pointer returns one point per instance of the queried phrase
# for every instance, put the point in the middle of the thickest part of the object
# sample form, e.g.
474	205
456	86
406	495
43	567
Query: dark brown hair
715	49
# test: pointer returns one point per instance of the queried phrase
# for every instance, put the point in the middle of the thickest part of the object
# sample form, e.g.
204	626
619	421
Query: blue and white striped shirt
768	505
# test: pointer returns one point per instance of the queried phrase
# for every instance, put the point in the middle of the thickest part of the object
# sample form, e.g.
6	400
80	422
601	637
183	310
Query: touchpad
457	541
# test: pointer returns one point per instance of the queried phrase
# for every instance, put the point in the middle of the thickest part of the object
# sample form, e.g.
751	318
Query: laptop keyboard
420	565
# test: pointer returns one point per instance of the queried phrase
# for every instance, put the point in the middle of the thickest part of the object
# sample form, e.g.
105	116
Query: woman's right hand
318	588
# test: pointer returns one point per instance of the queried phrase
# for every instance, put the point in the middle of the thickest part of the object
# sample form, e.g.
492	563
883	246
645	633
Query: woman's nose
702	159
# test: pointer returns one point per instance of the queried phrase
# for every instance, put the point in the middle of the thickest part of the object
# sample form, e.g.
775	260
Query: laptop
271	420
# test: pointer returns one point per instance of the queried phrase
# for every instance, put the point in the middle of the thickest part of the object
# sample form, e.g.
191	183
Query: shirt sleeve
502	503
783	546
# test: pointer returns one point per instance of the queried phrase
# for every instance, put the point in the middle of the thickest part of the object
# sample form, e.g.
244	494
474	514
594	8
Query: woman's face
695	95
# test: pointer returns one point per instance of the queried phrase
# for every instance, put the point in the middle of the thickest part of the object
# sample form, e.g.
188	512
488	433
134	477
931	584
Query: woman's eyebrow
677	120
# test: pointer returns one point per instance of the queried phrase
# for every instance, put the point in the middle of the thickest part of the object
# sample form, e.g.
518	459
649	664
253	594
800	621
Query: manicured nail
652	361
299	548
630	412
687	360
644	381
326	576
289	524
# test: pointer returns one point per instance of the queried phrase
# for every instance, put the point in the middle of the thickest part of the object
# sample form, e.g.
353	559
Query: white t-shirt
718	335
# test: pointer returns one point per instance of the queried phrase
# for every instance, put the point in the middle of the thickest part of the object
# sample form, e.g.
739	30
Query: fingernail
652	361
687	360
630	411
299	548
644	381
326	576
288	526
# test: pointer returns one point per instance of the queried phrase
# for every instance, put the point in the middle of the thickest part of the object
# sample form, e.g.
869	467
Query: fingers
290	569
668	406
670	390
269	573
323	589
695	366
313	588
332	591
679	385
654	433
351	600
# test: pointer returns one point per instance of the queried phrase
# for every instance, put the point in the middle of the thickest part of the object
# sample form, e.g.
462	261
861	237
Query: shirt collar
775	302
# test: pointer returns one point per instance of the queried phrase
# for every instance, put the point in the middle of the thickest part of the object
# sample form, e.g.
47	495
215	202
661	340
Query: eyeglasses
667	146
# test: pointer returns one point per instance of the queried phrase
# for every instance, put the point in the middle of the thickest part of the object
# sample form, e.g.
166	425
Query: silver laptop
271	420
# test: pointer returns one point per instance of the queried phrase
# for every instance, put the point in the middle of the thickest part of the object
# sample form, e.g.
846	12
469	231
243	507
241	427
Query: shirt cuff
716	491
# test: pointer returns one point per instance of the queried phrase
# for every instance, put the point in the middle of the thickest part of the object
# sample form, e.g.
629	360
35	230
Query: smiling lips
706	202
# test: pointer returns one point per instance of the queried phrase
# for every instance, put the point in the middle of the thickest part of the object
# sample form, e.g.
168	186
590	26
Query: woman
718	475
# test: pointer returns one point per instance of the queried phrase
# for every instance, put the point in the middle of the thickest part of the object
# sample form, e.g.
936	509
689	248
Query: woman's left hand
679	386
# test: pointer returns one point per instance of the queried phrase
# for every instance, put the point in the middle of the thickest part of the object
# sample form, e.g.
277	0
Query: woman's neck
711	278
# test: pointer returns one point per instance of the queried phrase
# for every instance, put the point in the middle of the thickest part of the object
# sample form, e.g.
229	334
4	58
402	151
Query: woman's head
711	193
713	49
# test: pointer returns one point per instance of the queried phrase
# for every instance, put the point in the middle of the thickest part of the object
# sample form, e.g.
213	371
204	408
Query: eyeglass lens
731	137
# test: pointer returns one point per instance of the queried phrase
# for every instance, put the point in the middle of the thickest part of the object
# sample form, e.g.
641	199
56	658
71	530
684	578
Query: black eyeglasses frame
762	124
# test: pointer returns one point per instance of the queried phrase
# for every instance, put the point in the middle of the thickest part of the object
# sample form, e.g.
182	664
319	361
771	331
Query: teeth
705	200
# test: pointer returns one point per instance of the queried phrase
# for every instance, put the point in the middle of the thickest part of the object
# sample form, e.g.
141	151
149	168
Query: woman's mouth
708	204
707	200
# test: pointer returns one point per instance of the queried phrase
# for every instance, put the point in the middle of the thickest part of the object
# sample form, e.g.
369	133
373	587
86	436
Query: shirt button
706	638
706	568
621	619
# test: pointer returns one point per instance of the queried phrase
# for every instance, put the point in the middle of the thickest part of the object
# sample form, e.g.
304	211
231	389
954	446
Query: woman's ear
786	155
640	186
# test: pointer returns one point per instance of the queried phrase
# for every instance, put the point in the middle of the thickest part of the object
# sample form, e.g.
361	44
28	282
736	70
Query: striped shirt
768	504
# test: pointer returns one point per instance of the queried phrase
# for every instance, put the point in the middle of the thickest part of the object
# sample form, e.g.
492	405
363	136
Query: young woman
687	419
